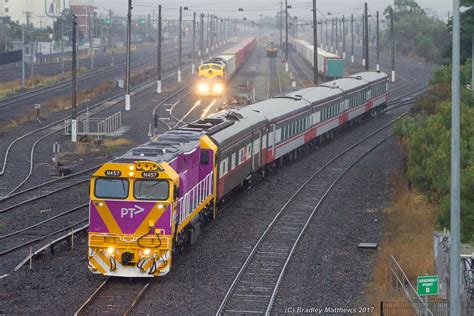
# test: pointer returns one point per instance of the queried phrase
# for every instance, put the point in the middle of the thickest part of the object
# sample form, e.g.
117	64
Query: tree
415	32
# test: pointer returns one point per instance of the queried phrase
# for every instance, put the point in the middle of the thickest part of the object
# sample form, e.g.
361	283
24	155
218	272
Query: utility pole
343	37
455	260
180	39
158	64
327	40
207	34
363	39
111	25
73	81
281	25
472	66
286	35
260	29
296	27
101	30
91	48
392	35
23	57
321	33
378	48
129	42
315	46
194	44
352	38
337	40
366	37
63	17
332	34
211	31
202	38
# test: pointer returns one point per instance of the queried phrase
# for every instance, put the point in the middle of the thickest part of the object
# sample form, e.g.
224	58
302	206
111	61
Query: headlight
147	252
218	88
203	88
110	250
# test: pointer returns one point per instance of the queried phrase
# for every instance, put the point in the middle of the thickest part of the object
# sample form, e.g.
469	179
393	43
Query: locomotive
153	200
215	73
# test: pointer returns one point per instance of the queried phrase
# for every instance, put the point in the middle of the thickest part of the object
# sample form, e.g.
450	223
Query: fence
95	126
437	308
400	280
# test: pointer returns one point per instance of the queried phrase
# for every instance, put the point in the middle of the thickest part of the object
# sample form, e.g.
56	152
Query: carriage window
151	189
111	188
205	67
232	161
216	67
223	167
241	155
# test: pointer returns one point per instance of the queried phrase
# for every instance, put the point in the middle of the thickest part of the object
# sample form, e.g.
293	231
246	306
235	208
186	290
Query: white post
158	86
378	67
193	69
393	75
127	102
286	66
73	131
352	59
363	62
179	76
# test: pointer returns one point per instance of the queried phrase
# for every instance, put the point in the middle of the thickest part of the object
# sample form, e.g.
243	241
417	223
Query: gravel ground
203	272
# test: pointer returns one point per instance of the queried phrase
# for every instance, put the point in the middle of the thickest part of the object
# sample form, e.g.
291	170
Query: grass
111	145
408	236
10	88
56	104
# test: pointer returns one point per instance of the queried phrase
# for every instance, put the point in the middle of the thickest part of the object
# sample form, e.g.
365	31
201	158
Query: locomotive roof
165	147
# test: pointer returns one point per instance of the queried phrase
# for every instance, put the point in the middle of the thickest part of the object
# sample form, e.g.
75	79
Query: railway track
54	225
57	126
116	296
110	71
254	288
304	79
273	70
13	100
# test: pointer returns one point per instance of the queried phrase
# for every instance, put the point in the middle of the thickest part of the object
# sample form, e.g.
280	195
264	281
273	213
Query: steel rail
284	208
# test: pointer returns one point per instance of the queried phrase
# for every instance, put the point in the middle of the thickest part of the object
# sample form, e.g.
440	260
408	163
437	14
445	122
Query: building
84	11
39	13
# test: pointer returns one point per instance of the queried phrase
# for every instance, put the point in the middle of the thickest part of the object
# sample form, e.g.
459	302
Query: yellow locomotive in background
215	74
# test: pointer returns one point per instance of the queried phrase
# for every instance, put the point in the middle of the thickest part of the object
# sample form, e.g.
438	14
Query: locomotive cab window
151	189
108	188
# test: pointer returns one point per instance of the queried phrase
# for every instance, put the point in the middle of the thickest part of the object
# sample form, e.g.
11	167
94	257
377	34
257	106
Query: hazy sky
253	8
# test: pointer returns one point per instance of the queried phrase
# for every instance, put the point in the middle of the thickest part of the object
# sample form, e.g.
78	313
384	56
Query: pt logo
130	211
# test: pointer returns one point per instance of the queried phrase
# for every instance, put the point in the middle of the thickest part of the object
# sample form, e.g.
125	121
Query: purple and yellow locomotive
153	200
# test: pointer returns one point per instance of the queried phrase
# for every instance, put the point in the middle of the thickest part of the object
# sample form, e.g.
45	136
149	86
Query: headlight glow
203	88
146	252
110	250
218	88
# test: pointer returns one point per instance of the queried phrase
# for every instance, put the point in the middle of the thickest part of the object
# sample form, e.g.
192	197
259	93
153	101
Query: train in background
154	199
214	75
330	66
271	49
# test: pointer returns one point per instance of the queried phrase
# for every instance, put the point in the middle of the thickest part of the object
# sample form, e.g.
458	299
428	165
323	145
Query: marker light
110	250
218	88
131	167
130	174
160	206
203	88
101	204
147	252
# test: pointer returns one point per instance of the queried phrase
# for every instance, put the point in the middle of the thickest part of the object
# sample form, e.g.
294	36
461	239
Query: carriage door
256	152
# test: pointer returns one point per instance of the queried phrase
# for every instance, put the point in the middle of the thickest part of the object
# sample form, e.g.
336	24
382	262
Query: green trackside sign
428	285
